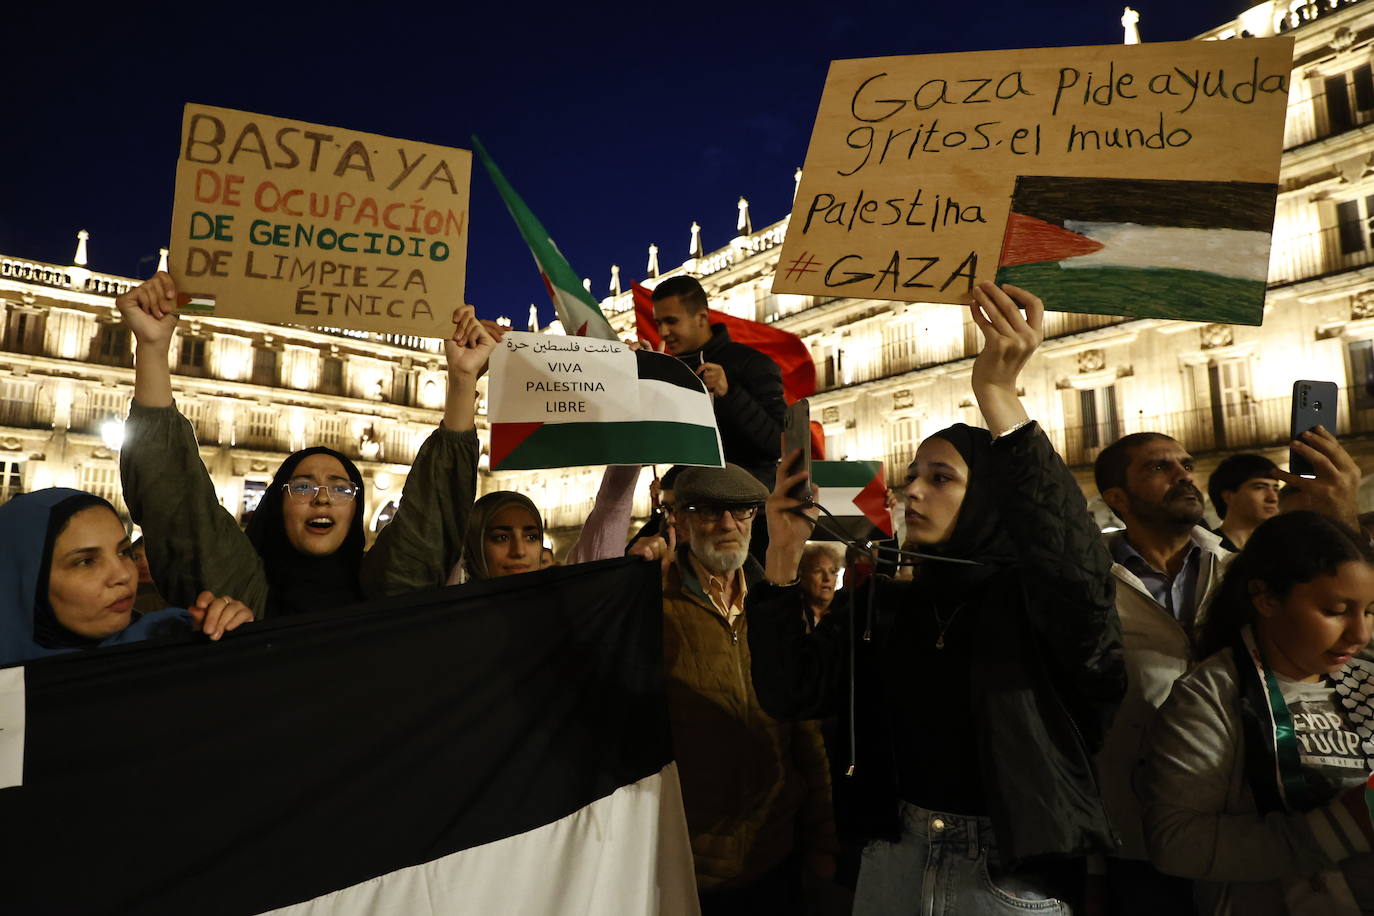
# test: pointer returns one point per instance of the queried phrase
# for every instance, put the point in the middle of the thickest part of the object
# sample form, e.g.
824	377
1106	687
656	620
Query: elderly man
756	790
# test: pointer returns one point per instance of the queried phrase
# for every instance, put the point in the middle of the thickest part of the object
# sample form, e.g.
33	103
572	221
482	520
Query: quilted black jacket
750	413
1044	691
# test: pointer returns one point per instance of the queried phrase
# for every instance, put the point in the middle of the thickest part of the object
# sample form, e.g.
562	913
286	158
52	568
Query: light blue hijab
26	536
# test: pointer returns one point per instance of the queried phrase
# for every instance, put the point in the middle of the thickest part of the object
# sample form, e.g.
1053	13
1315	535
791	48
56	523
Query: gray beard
720	562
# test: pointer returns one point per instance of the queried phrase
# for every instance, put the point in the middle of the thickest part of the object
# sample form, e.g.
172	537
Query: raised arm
1059	545
425	538
194	544
796	675
608	524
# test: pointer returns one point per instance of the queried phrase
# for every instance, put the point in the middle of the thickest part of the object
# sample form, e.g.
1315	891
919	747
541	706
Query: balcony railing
1247	424
89	419
1319	253
25	414
860	364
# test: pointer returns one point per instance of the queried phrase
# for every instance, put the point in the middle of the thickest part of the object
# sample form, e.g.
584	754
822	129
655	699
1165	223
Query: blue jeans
945	865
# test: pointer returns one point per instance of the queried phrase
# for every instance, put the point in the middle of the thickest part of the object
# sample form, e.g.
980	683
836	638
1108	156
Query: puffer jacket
753	786
1043	691
750	412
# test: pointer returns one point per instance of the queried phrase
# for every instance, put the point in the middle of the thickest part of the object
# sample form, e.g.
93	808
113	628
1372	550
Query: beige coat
1158	652
1202	821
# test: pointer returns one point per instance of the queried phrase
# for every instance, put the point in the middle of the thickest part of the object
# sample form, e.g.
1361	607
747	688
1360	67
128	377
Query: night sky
619	124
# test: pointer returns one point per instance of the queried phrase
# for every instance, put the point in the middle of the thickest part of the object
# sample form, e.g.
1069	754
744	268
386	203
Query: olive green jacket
195	544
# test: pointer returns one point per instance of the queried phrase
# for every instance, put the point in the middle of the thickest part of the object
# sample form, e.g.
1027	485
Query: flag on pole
856	493
576	307
784	348
504	748
555	402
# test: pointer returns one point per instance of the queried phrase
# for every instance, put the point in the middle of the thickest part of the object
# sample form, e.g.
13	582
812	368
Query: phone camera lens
1317	405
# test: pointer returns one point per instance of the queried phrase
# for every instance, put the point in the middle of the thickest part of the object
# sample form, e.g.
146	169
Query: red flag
784	348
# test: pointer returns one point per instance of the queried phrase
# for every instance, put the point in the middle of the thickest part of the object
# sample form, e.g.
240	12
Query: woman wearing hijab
1254	785
303	550
976	694
68	581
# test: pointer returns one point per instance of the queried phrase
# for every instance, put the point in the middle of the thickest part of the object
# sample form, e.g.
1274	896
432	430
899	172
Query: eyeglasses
301	491
714	513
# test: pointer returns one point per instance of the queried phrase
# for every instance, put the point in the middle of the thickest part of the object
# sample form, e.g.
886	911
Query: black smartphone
796	434
1314	404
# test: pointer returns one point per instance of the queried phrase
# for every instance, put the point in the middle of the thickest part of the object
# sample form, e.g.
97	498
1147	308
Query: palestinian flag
576	308
782	347
555	405
1192	250
856	493
500	747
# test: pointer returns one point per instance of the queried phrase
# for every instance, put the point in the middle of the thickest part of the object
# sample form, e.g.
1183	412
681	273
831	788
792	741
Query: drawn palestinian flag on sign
667	420
1194	250
855	492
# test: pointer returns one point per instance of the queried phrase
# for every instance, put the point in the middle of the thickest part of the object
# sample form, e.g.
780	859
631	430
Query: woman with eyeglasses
975	695
303	550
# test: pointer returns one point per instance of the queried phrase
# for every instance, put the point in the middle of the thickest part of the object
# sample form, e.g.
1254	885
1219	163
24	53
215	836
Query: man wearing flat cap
756	790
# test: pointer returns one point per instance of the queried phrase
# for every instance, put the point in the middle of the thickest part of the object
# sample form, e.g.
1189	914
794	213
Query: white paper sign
542	378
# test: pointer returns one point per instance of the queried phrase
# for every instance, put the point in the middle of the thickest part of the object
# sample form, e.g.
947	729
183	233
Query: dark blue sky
619	124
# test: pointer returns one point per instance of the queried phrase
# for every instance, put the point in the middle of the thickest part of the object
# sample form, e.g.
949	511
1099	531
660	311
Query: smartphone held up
1314	404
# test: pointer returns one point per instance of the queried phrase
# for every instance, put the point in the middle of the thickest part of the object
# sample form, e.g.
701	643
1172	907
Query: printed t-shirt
1330	751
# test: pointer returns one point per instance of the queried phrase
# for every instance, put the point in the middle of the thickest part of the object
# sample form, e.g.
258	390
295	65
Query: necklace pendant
940	642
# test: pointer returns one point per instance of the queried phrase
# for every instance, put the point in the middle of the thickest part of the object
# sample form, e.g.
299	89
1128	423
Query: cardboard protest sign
1122	180
557	401
295	223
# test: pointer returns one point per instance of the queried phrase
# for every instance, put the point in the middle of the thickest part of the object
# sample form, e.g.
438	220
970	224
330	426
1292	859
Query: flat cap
731	485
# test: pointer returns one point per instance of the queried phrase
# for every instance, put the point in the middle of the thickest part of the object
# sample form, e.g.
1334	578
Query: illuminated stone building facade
889	373
893	373
255	392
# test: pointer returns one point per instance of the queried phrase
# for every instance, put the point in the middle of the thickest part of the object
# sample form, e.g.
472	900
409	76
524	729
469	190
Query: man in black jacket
745	385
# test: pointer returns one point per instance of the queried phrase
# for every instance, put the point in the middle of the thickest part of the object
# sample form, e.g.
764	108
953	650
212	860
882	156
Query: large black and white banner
495	748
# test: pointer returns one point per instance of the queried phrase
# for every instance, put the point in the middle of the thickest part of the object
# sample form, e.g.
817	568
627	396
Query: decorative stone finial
796	182
653	260
80	259
615	279
1129	19
696	250
743	226
534	318
162	259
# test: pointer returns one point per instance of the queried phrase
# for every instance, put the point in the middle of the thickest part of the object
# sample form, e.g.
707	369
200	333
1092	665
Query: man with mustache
1167	564
756	790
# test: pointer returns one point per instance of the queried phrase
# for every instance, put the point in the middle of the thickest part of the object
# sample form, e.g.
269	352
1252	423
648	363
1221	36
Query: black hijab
978	532
47	631
298	583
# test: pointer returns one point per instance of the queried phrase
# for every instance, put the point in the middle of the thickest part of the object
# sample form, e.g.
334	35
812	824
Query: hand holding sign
469	347
467	350
713	374
1009	340
150	310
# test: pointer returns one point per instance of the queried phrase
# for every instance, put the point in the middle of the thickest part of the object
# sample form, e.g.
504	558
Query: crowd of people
1031	716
